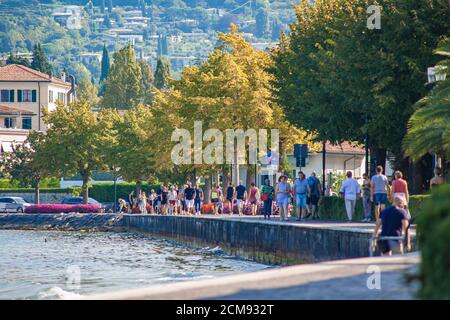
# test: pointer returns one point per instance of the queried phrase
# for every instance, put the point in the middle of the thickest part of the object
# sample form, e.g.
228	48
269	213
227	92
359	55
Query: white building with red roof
24	93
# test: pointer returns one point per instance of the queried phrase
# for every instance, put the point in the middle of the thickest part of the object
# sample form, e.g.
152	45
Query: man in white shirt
350	190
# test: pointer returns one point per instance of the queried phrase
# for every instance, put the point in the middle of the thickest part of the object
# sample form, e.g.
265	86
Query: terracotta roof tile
17	72
10	110
345	147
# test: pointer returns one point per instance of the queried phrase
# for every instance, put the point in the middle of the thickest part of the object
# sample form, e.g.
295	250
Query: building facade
24	93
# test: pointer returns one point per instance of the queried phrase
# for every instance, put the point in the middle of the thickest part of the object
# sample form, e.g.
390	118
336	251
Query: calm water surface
40	264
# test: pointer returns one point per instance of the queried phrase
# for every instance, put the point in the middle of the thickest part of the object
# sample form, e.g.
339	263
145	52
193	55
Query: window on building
26	96
26	123
10	123
50	96
4	95
62	97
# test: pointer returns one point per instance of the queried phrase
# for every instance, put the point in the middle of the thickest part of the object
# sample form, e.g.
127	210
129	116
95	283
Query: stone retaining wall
266	242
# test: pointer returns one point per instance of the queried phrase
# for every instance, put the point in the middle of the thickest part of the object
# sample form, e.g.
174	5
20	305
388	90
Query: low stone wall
262	241
265	242
45	197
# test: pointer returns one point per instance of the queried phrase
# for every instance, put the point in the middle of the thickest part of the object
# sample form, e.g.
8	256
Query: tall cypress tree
105	64
124	85
40	60
110	6
262	23
162	74
102	6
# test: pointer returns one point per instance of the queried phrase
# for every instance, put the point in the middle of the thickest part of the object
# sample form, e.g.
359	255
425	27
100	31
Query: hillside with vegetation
73	32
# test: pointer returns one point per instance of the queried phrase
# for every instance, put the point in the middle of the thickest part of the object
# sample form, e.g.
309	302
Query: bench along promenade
271	242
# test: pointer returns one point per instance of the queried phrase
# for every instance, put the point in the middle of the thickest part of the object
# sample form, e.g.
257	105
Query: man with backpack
314	195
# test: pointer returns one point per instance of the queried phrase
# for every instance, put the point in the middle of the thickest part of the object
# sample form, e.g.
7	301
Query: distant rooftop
17	72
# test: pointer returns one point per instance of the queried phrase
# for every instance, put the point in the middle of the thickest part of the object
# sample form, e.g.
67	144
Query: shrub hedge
102	192
333	208
433	227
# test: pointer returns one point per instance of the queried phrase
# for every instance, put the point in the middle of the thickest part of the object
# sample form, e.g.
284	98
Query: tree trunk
226	177
37	194
250	176
138	187
206	194
378	158
84	188
217	177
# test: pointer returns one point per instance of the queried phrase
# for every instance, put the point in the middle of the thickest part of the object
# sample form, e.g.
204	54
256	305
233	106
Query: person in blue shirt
315	191
300	192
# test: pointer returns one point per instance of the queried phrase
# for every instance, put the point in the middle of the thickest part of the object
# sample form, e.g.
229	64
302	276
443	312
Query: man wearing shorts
379	187
241	195
189	194
300	193
393	222
230	196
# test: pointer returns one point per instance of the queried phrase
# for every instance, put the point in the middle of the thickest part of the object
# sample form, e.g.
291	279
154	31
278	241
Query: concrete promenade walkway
333	280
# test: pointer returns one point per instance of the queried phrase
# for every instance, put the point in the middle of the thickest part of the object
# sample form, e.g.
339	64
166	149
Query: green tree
336	77
107	21
76	140
134	152
124	84
147	82
24	165
40	60
102	6
262	23
105	64
162	74
110	6
13	59
88	92
429	126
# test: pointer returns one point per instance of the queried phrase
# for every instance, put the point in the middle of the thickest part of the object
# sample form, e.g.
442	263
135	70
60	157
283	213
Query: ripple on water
33	263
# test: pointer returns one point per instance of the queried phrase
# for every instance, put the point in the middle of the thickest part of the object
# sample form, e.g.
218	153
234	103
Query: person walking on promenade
172	197
400	189
164	200
438	179
143	203
367	204
215	198
300	191
253	197
230	196
152	200
241	196
350	190
315	192
267	194
198	200
189	195
393	222
132	200
182	200
379	189
282	194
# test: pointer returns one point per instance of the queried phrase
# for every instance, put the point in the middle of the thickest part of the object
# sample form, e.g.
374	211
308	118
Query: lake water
46	264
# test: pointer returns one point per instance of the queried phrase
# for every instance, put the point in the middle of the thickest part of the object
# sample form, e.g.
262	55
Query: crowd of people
173	200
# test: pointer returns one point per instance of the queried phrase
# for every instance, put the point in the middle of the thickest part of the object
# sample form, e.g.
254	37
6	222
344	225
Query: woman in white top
172	197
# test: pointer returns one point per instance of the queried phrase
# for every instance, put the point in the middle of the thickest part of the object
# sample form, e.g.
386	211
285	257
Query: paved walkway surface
323	224
333	280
